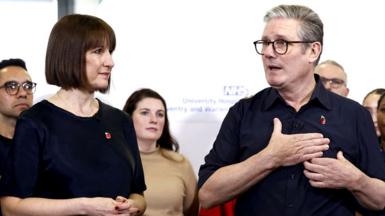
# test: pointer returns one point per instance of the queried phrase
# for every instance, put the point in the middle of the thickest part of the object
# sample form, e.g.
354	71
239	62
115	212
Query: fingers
121	199
312	175
307	157
277	126
311	138
315	179
318	184
312	167
313	149
340	156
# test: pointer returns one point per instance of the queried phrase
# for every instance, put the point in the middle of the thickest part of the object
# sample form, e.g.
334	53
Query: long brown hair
166	140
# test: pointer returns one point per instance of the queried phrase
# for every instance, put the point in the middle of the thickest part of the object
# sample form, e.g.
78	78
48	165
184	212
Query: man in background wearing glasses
275	150
333	76
16	95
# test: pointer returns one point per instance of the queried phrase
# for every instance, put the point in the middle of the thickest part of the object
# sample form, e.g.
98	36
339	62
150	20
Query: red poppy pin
322	120
108	135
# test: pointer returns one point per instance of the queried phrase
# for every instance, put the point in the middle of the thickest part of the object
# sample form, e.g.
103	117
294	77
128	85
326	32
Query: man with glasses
272	148
16	95
333	76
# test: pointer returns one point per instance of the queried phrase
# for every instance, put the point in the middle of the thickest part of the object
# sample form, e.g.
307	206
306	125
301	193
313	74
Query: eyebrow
27	80
148	109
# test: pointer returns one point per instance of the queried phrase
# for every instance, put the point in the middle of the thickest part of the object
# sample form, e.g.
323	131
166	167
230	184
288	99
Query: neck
299	96
80	103
7	126
147	146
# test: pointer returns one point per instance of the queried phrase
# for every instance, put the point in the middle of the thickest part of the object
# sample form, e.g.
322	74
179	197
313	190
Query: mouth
22	105
273	67
152	129
105	75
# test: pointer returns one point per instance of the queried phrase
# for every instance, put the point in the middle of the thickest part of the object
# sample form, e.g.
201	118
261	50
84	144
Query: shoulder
112	113
110	109
174	156
345	103
253	102
38	108
179	158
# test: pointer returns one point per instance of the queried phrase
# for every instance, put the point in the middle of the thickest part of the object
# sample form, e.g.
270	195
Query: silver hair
311	24
332	62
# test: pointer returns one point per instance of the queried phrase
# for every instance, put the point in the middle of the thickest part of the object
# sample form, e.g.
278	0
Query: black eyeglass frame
335	83
265	44
13	87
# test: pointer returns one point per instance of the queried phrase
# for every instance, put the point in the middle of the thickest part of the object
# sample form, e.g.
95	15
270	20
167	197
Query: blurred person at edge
370	102
16	95
170	179
72	154
381	120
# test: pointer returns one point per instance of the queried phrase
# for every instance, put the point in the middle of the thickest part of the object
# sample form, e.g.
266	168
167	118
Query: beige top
171	184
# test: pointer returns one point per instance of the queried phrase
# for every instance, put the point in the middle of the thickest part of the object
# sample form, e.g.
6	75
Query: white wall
194	52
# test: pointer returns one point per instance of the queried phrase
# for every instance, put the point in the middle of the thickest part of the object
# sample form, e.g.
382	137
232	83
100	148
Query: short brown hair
71	37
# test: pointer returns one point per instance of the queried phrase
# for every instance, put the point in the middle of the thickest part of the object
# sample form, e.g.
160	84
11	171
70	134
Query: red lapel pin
108	135
322	120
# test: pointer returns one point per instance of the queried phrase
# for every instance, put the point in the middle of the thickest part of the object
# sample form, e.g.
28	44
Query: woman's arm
139	202
58	207
191	201
134	205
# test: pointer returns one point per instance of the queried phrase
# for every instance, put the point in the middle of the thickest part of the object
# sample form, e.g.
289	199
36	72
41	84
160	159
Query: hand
100	206
126	206
332	173
295	148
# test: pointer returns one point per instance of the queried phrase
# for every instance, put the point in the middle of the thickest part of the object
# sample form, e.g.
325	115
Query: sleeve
370	160
22	169
138	183
226	147
190	202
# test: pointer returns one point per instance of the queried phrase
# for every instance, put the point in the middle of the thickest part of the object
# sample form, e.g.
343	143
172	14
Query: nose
21	92
153	118
268	51
109	62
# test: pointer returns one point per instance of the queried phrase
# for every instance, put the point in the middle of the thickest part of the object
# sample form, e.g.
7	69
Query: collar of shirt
320	95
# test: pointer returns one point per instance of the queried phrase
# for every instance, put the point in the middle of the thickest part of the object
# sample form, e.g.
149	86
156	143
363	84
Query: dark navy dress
58	155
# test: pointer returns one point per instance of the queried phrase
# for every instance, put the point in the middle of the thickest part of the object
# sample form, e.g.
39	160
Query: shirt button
290	205
292	176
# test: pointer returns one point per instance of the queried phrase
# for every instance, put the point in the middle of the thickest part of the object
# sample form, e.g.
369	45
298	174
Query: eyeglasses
334	82
12	87
279	46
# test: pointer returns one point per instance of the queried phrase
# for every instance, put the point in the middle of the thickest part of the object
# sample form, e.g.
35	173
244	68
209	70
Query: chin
275	84
102	89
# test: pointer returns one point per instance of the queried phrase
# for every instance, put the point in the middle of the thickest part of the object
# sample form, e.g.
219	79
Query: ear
315	51
346	91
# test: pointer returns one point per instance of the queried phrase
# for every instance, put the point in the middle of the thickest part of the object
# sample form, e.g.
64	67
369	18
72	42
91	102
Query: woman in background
381	120
170	179
370	102
72	154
